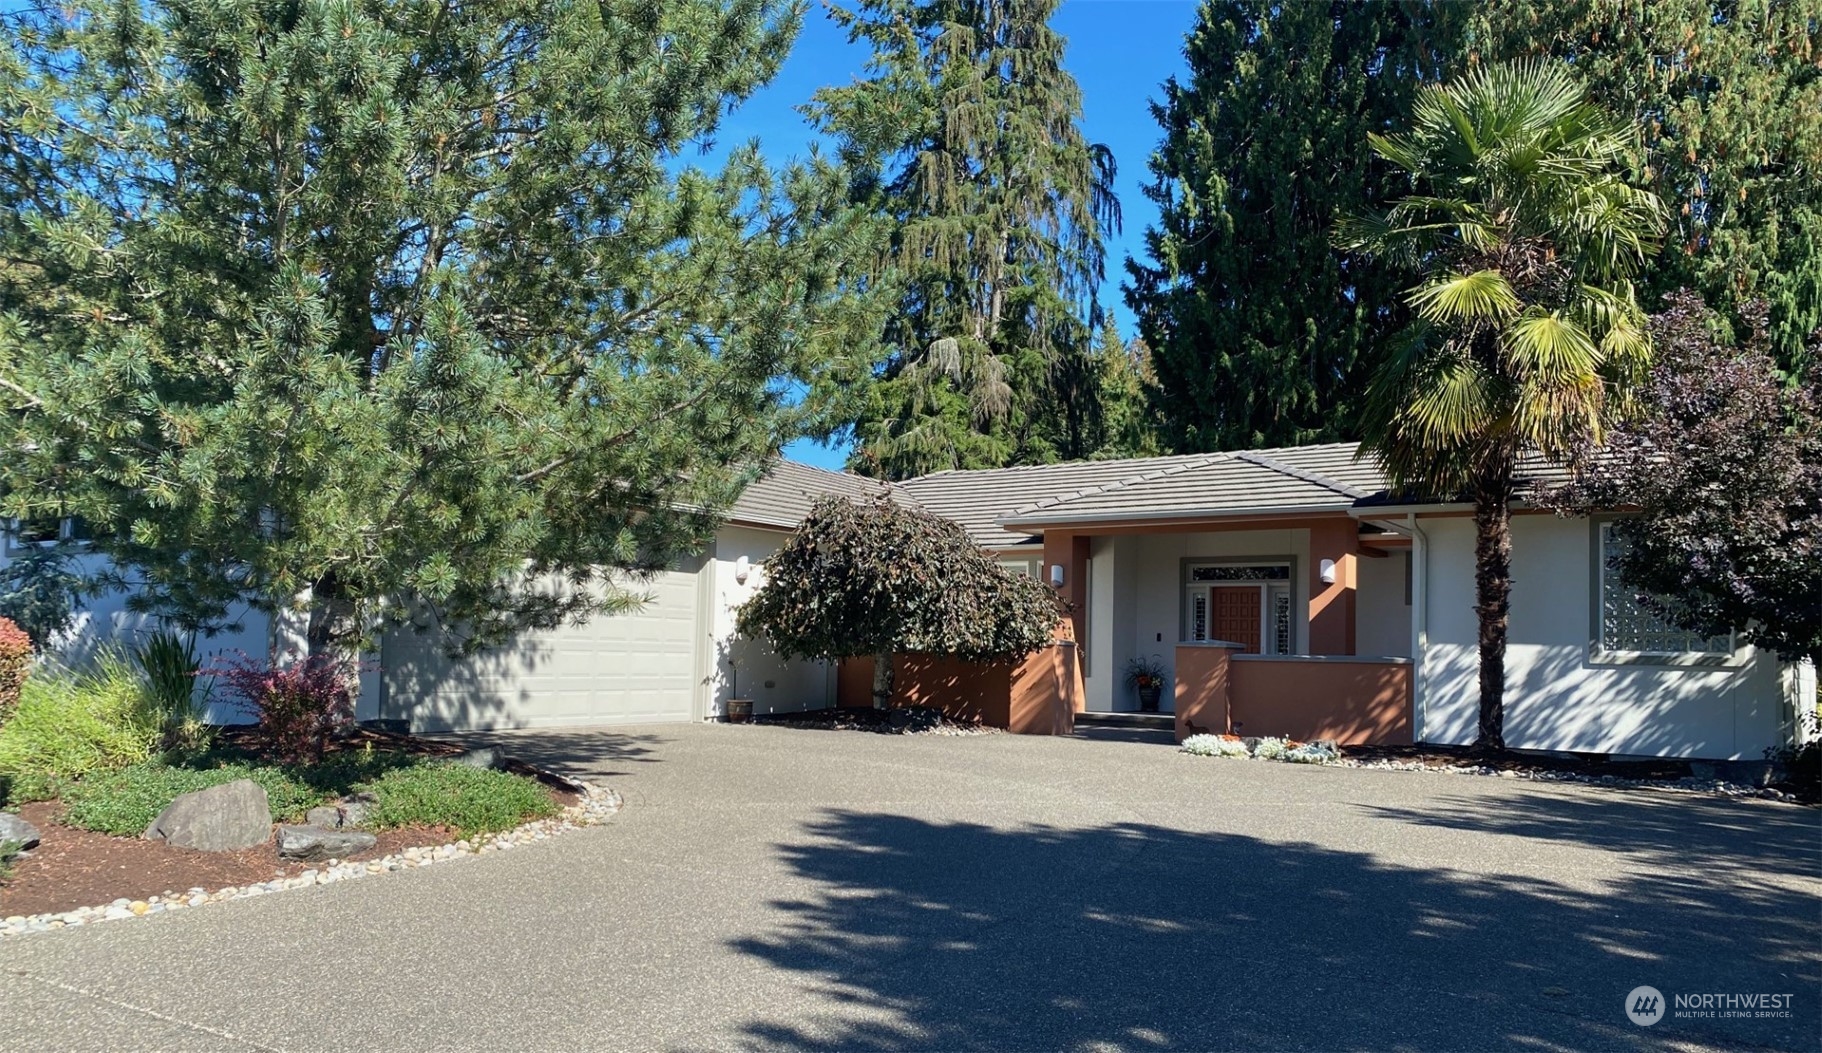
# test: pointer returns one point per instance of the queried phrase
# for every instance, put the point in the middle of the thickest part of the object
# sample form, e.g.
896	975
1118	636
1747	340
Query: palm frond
1460	298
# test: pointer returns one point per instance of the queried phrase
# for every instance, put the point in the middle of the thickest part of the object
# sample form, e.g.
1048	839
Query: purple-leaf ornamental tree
1723	463
876	579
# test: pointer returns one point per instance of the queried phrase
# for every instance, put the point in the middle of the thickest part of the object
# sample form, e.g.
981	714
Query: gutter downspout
1420	624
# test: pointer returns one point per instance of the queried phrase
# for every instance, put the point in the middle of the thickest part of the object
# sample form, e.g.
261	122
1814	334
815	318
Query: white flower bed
596	805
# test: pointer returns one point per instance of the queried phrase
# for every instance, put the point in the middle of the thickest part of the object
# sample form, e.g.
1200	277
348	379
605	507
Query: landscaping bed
910	720
114	805
1772	780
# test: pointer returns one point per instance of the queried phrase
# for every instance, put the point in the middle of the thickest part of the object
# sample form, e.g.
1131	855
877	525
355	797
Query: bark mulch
80	868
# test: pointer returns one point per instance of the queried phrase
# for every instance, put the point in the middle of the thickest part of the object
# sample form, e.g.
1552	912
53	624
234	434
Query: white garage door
632	668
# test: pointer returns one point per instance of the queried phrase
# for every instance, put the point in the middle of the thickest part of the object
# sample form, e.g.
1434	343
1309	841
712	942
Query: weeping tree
1527	333
323	306
967	134
877	579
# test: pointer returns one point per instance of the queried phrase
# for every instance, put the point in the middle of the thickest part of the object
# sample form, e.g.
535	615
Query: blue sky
1120	51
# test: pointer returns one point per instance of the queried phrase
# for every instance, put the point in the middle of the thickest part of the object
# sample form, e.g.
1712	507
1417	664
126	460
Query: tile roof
979	498
1302	478
1005	507
783	495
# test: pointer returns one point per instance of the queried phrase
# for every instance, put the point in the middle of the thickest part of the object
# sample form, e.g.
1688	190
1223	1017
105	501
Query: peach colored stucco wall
1201	692
1350	702
1038	695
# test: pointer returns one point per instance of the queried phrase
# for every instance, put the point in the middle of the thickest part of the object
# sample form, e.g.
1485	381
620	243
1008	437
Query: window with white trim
1628	626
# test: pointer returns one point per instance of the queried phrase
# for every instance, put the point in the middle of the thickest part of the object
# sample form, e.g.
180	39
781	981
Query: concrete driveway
769	888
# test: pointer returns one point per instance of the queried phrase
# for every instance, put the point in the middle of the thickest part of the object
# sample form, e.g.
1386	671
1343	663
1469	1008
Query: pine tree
969	128
1728	97
1261	332
354	307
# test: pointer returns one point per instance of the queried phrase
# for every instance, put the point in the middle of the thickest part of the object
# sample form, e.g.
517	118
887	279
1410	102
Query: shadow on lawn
1132	936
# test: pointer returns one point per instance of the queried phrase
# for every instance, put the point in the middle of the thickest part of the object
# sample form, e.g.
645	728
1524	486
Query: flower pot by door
740	710
1148	698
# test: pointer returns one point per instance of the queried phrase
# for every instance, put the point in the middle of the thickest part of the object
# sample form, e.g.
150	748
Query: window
1247	603
45	530
1627	625
1026	567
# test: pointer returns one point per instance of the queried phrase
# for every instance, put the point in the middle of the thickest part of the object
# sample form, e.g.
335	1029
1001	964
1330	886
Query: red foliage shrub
15	663
298	706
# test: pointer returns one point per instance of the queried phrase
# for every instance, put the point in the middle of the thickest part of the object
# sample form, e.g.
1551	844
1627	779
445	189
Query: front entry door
1236	614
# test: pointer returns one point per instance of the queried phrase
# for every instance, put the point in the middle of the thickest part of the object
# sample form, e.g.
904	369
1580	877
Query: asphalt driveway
770	888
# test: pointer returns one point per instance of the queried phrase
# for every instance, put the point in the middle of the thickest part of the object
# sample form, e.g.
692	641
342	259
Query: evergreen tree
969	134
1262	333
354	306
1128	427
1728	97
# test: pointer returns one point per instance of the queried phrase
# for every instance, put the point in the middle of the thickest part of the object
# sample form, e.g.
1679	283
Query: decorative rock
13	828
316	843
596	805
486	757
223	818
337	816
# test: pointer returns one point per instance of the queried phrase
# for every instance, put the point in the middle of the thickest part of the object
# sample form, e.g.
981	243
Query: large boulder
225	818
13	828
315	844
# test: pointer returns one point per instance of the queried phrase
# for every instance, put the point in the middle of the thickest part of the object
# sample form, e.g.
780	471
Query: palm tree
1527	332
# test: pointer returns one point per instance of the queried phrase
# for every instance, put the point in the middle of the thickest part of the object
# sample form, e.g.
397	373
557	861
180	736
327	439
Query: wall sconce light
741	569
1056	575
1327	572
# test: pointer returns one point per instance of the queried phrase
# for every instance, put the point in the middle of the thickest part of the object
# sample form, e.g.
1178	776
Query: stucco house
1282	591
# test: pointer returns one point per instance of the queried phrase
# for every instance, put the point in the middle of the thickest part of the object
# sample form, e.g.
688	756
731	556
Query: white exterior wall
749	666
1558	696
1382	619
105	621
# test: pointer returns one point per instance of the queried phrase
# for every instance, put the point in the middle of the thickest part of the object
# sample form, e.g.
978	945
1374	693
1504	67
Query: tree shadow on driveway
940	935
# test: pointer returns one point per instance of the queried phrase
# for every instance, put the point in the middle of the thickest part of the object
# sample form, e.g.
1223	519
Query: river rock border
1687	784
596	805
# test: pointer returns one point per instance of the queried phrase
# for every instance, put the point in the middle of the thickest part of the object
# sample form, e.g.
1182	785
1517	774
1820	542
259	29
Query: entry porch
1296	626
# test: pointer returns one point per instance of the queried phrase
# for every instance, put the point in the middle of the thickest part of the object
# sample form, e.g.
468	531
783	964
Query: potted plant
1146	675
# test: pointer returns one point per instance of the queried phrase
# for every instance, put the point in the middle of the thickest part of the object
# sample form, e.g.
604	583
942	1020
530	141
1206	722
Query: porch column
1332	603
1069	551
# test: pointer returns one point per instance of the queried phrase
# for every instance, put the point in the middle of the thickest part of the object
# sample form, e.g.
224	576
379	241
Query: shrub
168	661
15	663
298	706
470	800
1310	753
8	849
125	802
71	724
1271	749
1213	746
